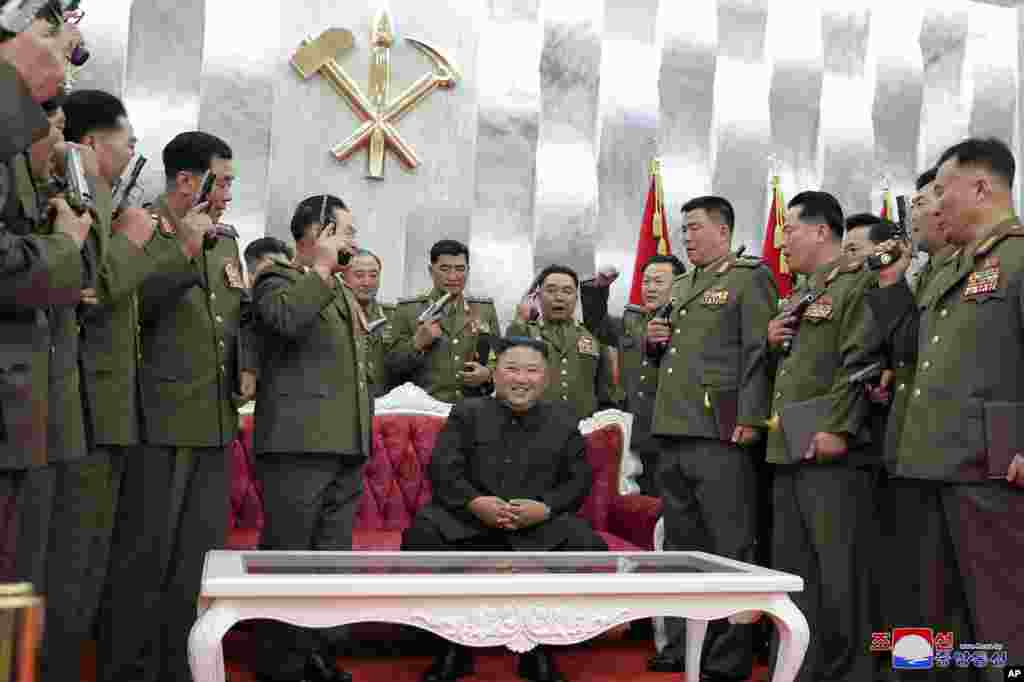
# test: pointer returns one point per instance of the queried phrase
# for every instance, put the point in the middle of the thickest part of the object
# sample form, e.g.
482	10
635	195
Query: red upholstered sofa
396	480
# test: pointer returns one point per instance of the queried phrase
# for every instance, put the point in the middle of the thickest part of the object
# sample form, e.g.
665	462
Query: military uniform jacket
110	347
312	394
377	377
969	351
832	342
638	375
66	439
189	312
437	370
37	273
485	449
578	368
707	379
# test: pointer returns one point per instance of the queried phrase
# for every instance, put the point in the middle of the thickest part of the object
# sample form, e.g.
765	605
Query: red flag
653	239
771	251
886	211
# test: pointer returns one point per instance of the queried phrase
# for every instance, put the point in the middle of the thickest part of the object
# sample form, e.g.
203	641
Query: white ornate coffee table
518	600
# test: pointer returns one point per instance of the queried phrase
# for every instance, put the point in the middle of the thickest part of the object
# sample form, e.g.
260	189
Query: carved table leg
695	631
794	636
205	643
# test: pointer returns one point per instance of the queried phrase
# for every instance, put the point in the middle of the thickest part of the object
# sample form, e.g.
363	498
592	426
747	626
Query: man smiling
508	474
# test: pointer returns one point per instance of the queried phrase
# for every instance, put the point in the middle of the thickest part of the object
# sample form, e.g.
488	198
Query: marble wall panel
945	109
686	84
105	28
567	188
742	129
501	239
630	59
847	135
992	66
161	86
236	96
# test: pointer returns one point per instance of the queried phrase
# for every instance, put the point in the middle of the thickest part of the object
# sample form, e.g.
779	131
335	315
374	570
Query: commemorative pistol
435	311
796	309
127	184
865	375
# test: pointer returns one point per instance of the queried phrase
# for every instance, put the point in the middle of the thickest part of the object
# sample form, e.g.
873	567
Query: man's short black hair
507	343
89	111
677	265
308	212
862	220
557	270
989	153
265	246
718	208
193	152
820	207
448	247
925	179
883	231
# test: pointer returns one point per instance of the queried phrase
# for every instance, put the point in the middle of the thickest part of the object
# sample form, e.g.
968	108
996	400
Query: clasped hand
495	512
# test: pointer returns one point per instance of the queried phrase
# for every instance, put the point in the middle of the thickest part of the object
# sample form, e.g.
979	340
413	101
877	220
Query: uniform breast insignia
233	274
820	309
984	280
715	297
585	346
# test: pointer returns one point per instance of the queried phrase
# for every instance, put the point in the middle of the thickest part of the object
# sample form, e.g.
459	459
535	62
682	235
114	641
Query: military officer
963	336
710	407
583	377
638	375
173	506
442	357
37	271
259	255
823	496
312	420
362	276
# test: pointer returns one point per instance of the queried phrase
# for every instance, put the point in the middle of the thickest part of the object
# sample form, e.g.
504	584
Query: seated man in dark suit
509	474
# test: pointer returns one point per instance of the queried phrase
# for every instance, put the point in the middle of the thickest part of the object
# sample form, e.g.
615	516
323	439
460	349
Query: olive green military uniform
969	353
173	505
824	509
40	282
638	375
707	385
313	426
377	377
437	369
579	371
917	587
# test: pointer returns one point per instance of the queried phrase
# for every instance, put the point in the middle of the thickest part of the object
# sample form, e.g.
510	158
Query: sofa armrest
633	517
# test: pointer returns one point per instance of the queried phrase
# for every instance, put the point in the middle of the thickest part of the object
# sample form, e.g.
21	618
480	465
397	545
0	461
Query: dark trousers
425	536
309	503
709	492
959	570
26	504
172	509
824	518
76	565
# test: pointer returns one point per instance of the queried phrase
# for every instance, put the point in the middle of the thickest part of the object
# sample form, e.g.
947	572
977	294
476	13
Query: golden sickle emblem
378	115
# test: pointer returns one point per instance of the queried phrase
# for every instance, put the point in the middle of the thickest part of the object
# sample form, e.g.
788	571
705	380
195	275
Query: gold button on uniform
935	339
926	364
220	320
565	360
778	394
644	363
455	341
669	370
917	393
901	387
943	313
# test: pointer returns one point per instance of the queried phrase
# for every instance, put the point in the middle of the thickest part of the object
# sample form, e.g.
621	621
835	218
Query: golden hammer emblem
378	115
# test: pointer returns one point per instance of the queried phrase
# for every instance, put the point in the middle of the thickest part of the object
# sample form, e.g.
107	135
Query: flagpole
658	224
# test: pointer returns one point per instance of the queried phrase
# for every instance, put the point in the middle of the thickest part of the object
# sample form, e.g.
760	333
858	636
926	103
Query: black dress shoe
454	662
664	663
319	670
538	666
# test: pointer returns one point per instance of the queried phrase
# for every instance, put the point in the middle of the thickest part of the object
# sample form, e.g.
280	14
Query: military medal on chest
820	309
715	297
984	280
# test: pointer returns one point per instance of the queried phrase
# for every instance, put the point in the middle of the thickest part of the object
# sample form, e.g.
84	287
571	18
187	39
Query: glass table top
406	563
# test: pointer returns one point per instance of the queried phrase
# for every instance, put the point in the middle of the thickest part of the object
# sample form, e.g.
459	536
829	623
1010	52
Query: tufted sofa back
396	479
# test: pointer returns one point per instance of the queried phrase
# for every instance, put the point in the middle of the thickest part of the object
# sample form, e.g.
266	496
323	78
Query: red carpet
608	660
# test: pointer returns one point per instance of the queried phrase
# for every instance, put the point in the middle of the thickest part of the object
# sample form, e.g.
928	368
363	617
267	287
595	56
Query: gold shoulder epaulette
749	261
422	298
485	300
388	306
